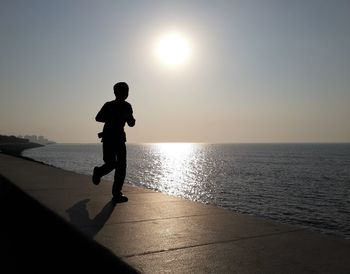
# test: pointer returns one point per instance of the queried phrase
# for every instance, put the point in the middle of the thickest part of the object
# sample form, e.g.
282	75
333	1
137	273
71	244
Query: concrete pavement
157	233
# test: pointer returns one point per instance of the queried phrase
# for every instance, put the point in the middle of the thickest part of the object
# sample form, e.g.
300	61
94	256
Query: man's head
121	90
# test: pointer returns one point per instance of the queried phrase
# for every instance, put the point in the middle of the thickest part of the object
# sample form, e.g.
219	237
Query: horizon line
213	143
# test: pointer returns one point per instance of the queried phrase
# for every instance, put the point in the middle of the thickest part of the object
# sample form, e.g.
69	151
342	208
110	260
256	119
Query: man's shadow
79	215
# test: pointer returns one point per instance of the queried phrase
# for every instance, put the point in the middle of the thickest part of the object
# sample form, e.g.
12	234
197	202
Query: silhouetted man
115	114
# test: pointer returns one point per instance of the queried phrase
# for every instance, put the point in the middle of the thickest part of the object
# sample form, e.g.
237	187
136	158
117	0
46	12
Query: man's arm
101	115
131	120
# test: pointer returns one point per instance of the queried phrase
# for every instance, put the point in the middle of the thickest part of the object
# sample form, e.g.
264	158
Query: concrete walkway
157	233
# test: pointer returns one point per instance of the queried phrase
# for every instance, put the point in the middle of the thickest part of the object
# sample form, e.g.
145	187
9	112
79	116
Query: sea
306	185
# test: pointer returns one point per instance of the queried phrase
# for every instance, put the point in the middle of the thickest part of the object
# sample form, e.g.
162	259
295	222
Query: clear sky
256	71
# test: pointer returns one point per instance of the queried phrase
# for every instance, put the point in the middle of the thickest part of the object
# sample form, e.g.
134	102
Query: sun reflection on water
178	151
176	163
179	169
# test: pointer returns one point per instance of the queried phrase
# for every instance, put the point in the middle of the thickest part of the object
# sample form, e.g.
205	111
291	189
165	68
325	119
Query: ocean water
307	185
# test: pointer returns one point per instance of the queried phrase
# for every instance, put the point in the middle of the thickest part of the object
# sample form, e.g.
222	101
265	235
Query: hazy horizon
212	143
250	71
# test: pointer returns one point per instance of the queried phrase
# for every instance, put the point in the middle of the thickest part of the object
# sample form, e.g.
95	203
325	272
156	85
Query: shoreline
158	233
298	224
16	149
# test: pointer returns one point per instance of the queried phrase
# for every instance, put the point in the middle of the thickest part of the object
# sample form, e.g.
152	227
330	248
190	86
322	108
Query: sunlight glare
176	151
176	159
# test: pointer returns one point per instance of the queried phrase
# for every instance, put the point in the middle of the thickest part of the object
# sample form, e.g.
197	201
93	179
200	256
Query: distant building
37	139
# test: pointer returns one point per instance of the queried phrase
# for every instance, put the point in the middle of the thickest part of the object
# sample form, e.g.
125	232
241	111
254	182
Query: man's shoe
120	198
96	179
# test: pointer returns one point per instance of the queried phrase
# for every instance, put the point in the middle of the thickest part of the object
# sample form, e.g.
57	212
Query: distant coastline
15	146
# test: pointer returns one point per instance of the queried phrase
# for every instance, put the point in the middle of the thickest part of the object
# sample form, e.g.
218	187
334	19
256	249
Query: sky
256	71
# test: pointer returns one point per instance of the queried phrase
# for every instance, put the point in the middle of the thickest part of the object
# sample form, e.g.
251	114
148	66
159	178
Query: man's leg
109	157
120	170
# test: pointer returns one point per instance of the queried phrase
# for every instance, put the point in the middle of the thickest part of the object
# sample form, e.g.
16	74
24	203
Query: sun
173	49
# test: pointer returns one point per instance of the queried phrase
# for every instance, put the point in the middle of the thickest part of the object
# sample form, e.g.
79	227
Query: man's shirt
115	114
